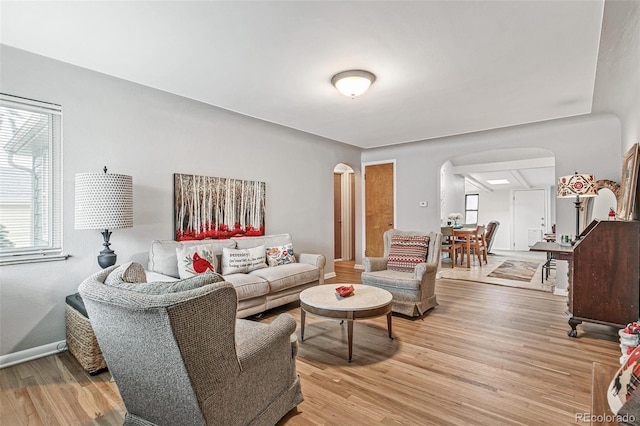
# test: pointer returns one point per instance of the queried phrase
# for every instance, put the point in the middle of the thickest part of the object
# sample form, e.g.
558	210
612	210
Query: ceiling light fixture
353	83
498	182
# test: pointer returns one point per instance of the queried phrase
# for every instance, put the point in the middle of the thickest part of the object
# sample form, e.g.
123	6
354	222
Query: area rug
518	270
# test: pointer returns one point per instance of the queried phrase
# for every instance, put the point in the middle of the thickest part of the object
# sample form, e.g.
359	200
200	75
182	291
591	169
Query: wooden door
337	216
379	206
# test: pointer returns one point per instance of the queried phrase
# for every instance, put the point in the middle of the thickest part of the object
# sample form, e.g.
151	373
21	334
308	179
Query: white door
529	218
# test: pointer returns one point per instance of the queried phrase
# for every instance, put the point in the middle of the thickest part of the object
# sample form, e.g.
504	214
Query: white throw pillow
195	260
243	260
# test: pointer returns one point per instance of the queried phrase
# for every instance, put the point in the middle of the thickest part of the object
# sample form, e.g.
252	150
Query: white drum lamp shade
104	201
576	186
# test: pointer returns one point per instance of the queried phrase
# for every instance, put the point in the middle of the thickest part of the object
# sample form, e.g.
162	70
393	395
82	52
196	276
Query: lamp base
107	257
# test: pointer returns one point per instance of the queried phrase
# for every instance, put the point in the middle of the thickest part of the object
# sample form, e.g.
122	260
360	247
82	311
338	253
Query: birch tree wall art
217	208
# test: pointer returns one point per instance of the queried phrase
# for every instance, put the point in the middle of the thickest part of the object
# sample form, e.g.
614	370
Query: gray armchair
182	358
413	292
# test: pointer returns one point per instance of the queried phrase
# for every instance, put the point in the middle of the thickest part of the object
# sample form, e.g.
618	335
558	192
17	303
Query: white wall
617	84
452	193
150	135
497	205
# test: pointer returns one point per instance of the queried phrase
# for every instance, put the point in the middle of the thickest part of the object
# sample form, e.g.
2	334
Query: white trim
561	292
329	275
32	353
358	266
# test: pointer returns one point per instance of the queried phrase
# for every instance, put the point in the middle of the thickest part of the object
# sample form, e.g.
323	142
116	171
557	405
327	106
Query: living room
150	134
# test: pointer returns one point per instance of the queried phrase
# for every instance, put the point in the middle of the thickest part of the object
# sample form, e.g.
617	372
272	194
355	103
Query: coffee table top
364	297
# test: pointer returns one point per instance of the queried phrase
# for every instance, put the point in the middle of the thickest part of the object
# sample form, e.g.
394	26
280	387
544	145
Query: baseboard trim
358	266
33	353
561	292
329	275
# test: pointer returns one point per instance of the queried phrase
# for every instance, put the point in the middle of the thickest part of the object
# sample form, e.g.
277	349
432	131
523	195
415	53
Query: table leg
468	242
350	337
302	315
389	325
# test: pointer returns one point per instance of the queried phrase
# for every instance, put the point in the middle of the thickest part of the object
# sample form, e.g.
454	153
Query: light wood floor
487	355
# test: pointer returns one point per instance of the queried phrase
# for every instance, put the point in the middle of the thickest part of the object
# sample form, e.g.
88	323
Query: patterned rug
518	270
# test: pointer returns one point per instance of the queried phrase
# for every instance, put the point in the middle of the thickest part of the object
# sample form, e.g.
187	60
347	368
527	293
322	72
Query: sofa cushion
280	255
236	261
196	259
163	259
287	276
130	272
405	252
247	285
266	240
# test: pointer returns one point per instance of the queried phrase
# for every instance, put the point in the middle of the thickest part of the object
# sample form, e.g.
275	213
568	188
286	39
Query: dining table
466	233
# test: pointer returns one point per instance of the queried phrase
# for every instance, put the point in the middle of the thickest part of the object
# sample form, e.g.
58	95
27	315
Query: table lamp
577	185
104	201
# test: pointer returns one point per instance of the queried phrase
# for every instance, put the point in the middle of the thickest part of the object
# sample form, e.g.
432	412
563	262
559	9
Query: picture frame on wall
206	207
628	184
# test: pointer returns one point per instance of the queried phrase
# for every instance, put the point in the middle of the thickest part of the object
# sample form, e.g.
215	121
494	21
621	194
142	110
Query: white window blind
30	180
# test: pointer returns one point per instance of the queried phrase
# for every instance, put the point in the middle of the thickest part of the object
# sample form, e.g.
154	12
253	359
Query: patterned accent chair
182	358
414	291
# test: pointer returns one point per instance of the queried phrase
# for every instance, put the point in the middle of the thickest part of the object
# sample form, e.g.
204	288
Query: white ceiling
442	67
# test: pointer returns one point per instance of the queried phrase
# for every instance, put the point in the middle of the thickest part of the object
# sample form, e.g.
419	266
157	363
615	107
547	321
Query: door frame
364	196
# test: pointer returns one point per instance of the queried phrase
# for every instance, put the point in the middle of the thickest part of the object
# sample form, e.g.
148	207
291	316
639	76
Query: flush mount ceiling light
353	83
498	182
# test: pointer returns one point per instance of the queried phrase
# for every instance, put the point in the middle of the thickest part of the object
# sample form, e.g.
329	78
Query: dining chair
451	245
479	244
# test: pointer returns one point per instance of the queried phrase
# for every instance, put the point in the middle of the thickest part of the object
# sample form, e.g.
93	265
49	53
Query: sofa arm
316	260
372	264
312	259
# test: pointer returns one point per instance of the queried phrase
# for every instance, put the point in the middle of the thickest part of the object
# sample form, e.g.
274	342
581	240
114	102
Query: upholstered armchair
412	283
180	357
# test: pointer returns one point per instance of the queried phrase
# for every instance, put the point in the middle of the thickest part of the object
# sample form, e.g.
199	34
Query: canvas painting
217	208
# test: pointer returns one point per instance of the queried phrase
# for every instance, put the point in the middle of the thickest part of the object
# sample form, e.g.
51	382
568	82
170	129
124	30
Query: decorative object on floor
353	83
217	208
629	185
518	270
104	201
624	385
577	185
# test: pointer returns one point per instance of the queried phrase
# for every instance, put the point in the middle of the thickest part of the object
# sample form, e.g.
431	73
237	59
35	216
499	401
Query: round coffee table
365	302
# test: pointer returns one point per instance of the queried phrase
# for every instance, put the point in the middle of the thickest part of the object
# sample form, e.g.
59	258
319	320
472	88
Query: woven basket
82	342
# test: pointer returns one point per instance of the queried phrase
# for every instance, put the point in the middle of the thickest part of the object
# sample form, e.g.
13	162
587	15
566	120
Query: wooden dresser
604	273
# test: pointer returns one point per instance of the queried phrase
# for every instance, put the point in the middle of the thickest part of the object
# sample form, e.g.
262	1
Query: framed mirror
609	193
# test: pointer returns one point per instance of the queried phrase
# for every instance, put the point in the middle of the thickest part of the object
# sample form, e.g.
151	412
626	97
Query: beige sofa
258	290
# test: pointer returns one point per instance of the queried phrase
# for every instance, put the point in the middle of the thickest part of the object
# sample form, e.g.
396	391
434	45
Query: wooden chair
451	245
479	244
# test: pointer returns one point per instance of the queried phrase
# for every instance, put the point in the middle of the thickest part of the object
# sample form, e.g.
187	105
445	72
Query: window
30	180
471	208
